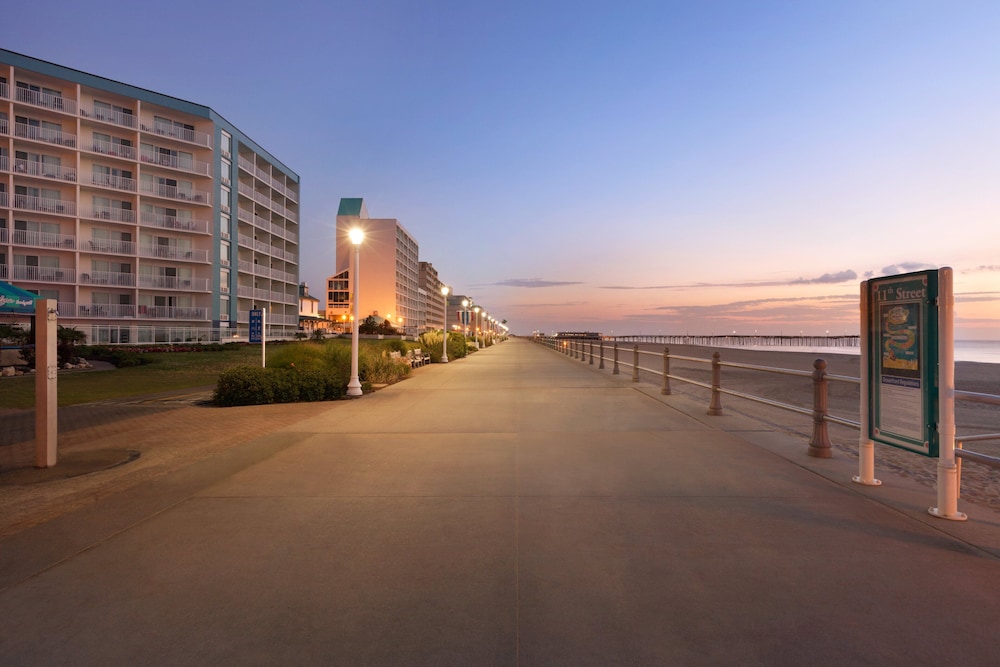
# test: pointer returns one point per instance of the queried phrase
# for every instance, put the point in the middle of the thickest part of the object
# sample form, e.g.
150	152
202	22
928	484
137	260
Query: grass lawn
170	371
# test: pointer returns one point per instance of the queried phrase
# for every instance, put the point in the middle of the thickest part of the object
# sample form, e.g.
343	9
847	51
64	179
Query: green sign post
903	375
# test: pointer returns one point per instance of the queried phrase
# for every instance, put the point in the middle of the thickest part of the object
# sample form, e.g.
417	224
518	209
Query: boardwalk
513	508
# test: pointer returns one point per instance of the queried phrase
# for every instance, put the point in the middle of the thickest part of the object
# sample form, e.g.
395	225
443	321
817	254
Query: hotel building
389	270
148	218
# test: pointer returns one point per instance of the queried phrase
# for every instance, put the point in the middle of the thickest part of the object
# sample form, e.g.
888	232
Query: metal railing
819	444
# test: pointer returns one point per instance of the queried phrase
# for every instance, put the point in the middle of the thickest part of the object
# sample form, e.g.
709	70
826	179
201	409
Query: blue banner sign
256	326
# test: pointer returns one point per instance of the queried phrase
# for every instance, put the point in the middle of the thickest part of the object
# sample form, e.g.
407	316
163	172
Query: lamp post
444	326
475	323
465	317
354	386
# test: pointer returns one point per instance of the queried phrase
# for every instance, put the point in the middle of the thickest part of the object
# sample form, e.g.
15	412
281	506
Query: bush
252	385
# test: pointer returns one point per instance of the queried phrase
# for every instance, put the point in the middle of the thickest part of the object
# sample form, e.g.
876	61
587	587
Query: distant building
434	301
310	318
389	269
146	217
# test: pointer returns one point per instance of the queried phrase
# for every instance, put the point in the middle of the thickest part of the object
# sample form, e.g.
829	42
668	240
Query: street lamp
465	316
354	386
444	326
475	324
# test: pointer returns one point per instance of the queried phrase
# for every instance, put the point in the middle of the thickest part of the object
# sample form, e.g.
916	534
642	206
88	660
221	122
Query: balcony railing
172	313
173	282
43	169
3	199
44	274
4	91
111	116
174	162
112	213
45	134
113	278
44	205
113	181
173	192
112	149
4	126
181	133
45	100
110	246
173	222
42	239
116	310
171	252
4	162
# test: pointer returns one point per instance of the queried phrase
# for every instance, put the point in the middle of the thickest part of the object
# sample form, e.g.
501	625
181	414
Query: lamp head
445	289
356	235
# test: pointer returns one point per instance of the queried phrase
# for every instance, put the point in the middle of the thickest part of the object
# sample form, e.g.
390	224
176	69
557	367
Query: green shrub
252	385
243	385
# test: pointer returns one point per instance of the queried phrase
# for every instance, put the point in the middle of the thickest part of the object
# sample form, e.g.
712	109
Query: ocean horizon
979	351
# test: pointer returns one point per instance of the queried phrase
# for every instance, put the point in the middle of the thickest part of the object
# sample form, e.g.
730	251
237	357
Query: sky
623	167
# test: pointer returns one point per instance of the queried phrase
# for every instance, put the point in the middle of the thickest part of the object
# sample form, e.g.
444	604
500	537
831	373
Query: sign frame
257	325
904	364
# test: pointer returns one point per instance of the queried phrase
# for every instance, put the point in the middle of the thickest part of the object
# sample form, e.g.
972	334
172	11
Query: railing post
715	407
591	353
614	370
820	446
665	389
635	364
600	365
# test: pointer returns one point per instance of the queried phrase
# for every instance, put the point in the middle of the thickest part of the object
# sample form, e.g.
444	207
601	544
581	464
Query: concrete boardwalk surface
514	508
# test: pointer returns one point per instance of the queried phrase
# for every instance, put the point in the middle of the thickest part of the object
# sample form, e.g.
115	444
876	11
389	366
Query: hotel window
111	177
173	128
227	144
224	226
227	170
39	95
113	113
227	199
111	145
224	253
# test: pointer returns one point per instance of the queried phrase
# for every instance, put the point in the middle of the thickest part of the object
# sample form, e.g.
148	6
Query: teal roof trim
351	206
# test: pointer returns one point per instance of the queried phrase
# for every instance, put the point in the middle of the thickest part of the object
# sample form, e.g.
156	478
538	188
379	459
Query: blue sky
614	166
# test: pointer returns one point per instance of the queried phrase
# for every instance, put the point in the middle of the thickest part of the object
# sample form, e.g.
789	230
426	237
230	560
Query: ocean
981	351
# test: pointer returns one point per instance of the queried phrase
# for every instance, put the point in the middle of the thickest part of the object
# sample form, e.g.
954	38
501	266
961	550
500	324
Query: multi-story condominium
389	269
148	218
434	301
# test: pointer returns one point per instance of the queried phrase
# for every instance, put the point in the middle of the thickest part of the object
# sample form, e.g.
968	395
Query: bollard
600	365
635	364
614	370
591	353
715	407
665	389
820	446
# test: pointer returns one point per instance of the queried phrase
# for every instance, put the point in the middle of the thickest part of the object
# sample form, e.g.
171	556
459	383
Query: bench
418	358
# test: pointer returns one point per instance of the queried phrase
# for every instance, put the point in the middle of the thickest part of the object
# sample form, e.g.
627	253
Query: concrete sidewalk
513	508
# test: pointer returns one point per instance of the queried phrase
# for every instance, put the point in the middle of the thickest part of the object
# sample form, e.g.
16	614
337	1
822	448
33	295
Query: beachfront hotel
390	271
147	217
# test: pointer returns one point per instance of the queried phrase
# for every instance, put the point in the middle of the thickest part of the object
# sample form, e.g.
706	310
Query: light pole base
354	388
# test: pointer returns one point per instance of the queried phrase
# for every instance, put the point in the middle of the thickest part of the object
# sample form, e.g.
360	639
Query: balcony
173	162
113	278
4	162
162	221
44	170
112	149
43	274
42	239
111	116
175	283
112	181
173	192
3	200
44	205
46	101
4	91
172	313
111	213
57	137
172	252
4	126
114	310
110	247
179	133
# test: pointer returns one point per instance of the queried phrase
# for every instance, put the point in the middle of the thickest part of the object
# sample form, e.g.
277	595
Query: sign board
257	326
904	373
